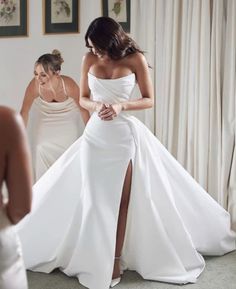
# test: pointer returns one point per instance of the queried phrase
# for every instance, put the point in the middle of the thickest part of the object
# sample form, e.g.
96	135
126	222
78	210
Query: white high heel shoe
115	281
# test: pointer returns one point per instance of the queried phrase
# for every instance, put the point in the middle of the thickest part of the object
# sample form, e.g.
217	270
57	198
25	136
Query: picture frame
61	16
119	10
14	18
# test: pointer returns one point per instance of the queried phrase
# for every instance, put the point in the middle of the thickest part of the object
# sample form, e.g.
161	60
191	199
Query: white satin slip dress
171	219
53	127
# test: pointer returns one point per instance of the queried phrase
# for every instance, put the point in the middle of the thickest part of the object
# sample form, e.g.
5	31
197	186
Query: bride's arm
85	100
141	70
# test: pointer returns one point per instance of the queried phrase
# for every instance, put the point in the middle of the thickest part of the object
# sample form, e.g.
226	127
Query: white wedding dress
53	127
171	219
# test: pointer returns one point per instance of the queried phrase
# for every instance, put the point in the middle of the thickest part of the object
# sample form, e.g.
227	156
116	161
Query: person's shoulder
137	57
89	58
67	78
33	88
10	120
69	81
72	87
137	61
33	83
7	113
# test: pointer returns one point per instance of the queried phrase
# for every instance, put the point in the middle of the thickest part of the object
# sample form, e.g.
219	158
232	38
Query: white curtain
143	30
184	80
228	102
191	45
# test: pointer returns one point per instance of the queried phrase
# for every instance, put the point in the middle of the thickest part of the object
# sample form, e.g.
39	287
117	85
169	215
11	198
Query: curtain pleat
143	29
216	86
228	173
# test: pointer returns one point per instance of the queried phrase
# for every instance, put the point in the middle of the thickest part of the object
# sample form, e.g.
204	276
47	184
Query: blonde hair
58	54
51	61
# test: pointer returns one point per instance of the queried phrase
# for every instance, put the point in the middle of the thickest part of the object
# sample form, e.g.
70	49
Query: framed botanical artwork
13	18
118	10
60	16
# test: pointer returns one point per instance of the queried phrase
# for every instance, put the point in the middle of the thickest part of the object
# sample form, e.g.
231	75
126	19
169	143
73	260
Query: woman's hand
108	112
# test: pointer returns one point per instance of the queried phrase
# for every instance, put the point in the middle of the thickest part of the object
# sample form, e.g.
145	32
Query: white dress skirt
12	269
171	219
53	127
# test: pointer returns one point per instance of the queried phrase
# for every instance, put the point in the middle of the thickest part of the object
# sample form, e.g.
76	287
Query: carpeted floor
220	273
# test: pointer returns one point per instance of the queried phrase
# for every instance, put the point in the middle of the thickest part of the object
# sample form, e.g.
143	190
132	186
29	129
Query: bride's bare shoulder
135	61
89	57
88	60
137	58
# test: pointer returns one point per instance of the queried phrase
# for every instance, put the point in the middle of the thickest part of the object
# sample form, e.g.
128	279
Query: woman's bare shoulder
6	113
11	120
68	79
32	89
89	59
70	83
138	62
137	58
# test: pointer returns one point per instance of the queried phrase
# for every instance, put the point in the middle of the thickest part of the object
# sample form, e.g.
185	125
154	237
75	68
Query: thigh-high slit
122	219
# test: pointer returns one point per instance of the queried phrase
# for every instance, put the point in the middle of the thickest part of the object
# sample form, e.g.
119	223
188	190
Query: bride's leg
122	220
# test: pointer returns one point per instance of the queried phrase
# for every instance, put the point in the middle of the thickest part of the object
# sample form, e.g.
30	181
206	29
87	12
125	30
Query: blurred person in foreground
15	171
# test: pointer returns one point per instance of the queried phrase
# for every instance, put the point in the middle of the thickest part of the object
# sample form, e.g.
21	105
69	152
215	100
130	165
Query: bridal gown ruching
53	127
171	219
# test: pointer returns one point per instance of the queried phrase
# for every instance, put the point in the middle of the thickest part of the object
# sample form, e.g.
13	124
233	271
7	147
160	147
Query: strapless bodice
111	90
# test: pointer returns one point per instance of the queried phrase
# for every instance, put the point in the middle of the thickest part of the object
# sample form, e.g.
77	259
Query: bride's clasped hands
109	111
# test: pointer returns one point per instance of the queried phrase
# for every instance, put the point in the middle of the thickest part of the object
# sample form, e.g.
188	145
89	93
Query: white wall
18	55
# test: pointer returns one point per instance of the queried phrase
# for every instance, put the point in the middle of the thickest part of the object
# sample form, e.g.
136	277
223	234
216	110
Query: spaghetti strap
64	87
39	91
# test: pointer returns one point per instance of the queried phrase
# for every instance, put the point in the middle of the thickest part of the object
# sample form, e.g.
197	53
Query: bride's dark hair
108	36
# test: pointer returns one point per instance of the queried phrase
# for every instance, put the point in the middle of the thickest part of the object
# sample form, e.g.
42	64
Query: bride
116	199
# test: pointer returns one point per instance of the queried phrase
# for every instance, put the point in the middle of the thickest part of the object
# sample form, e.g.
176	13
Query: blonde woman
55	121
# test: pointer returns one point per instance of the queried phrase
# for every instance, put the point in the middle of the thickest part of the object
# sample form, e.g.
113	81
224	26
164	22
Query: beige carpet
220	273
